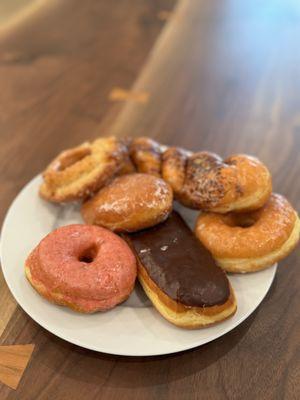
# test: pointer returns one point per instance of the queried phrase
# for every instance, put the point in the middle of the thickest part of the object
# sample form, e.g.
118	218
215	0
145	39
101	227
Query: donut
130	203
204	181
127	166
180	276
146	155
79	172
174	160
86	268
252	241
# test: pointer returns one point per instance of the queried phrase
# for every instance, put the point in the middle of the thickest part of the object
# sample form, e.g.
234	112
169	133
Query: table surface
222	76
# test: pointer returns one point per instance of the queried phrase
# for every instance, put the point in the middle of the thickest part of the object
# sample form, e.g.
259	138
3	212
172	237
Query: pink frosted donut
84	267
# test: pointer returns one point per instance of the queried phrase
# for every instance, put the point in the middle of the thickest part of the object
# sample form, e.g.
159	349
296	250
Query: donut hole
88	255
243	220
73	157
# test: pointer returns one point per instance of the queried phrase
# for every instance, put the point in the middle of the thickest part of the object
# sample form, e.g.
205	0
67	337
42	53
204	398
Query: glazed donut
146	155
86	268
239	183
77	173
130	203
251	241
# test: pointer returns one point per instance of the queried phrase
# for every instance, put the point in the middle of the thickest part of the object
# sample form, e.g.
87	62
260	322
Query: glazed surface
264	230
130	203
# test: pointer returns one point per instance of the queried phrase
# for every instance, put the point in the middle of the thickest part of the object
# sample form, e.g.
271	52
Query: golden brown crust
239	183
79	172
202	186
127	166
181	315
244	265
200	180
251	241
130	203
174	162
146	155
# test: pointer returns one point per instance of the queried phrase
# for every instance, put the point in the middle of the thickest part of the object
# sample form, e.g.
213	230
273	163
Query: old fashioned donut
130	203
79	172
204	181
251	241
146	155
86	268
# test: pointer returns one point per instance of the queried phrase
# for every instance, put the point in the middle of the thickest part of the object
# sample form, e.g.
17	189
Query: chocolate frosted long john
179	265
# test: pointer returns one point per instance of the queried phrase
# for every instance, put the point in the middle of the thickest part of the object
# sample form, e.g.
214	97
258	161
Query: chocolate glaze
179	264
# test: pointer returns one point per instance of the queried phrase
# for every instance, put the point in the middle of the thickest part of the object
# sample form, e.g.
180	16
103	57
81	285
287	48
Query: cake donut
86	268
180	276
130	203
79	172
204	181
251	241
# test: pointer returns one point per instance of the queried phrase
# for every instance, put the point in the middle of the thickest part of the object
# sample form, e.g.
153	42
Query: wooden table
221	75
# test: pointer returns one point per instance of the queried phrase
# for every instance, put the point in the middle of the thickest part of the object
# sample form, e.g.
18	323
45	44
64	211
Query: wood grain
222	76
13	361
58	62
120	94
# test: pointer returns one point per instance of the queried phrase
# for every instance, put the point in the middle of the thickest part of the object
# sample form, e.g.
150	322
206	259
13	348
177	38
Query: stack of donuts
127	186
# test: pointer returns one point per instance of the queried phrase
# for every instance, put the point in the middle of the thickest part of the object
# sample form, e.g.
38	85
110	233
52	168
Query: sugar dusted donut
86	268
201	180
204	181
252	241
130	203
81	171
174	161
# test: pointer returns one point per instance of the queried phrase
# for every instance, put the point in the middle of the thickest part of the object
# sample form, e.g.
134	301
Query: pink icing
99	284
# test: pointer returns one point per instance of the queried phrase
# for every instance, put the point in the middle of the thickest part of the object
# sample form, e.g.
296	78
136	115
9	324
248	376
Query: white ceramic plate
134	328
